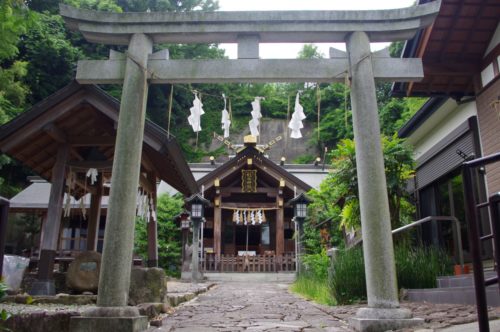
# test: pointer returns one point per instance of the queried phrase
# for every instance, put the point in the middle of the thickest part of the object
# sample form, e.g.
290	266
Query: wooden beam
218	228
280	232
91	140
91	164
250	205
57	134
49	241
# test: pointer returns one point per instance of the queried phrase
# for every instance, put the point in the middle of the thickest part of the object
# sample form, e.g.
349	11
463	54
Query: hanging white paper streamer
92	174
82	207
254	124
196	112
236	216
245	220
297	116
259	217
252	217
226	121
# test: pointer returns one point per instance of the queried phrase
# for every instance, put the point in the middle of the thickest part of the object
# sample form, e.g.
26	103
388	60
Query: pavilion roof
268	172
453	49
86	118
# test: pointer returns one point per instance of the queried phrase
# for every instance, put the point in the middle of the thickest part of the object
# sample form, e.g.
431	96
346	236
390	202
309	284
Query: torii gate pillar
114	279
383	312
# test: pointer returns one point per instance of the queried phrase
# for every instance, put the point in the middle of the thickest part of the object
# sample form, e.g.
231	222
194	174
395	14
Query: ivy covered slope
32	32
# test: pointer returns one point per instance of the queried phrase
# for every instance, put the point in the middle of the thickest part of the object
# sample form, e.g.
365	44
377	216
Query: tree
169	237
337	198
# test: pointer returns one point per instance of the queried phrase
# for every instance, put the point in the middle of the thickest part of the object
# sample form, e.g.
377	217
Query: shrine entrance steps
455	290
279	277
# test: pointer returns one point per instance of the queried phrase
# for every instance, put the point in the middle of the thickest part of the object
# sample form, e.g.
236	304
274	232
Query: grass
314	289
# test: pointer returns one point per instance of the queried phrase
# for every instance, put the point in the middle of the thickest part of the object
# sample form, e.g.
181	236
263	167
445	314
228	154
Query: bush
415	268
313	283
419	267
348	283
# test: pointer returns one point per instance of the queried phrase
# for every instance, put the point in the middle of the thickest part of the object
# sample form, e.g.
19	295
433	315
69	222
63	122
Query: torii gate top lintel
268	26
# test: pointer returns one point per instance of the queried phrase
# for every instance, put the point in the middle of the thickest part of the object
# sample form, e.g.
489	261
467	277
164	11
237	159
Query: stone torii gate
139	67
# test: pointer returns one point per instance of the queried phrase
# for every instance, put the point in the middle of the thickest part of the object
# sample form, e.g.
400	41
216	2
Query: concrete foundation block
108	324
380	325
45	287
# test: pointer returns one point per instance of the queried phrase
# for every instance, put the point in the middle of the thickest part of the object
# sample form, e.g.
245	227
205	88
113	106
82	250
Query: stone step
465	280
280	277
455	295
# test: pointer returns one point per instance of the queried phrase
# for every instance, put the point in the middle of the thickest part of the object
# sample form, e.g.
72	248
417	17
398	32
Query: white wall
448	117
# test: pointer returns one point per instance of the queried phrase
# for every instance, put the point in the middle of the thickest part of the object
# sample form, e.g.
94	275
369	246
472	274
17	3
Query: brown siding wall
489	128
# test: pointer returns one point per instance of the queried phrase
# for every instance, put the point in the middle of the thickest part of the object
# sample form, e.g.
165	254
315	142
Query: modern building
461	119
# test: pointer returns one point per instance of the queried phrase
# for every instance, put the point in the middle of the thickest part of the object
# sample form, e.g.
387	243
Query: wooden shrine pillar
280	228
95	216
153	225
217	226
48	244
4	213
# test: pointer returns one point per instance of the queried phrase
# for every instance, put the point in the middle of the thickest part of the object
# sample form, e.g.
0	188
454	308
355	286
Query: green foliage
313	282
415	268
313	289
3	289
304	159
101	5
419	267
47	40
169	243
14	21
348	282
337	198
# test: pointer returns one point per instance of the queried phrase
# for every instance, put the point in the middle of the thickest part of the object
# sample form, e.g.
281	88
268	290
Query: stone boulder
147	285
83	272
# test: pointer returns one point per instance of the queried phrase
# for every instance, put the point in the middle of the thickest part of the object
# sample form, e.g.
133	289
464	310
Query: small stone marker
83	272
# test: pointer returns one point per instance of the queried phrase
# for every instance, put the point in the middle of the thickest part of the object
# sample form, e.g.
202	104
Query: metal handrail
438	218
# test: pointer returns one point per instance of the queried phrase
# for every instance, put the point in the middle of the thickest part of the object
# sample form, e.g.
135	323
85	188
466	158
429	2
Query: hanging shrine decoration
92	173
254	124
248	181
226	119
70	183
145	206
196	112
249	216
297	116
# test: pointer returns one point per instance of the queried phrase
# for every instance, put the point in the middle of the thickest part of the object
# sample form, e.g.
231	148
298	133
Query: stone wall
270	129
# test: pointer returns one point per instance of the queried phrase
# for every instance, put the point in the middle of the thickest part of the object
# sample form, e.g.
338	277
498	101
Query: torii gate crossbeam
139	67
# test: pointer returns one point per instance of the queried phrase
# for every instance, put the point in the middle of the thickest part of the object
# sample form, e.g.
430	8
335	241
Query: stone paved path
250	307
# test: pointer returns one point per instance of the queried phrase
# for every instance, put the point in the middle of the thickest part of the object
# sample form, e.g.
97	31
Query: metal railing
439	218
427	219
470	173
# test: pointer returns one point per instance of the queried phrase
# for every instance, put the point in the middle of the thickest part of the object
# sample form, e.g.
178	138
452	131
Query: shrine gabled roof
453	49
86	117
262	163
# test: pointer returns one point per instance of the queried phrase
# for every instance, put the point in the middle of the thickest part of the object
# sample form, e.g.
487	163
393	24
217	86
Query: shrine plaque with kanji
249	181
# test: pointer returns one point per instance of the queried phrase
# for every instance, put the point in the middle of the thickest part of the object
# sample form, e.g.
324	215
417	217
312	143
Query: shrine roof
454	50
268	170
85	117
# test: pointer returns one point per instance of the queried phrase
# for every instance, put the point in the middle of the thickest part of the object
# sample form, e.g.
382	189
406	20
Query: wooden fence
259	263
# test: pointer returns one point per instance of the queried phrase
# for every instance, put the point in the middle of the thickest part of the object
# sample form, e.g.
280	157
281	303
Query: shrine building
248	224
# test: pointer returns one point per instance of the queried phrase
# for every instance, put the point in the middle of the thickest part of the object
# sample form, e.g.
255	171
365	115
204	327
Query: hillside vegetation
38	56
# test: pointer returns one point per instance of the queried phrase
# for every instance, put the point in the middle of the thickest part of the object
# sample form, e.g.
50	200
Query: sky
284	51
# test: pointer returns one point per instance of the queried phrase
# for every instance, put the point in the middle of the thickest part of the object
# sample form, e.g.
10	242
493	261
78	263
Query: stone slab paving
247	306
250	306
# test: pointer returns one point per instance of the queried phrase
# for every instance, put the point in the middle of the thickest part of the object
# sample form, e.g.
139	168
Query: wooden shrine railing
258	263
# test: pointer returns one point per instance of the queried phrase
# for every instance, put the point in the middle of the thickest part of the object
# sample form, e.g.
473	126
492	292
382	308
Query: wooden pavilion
248	225
74	131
